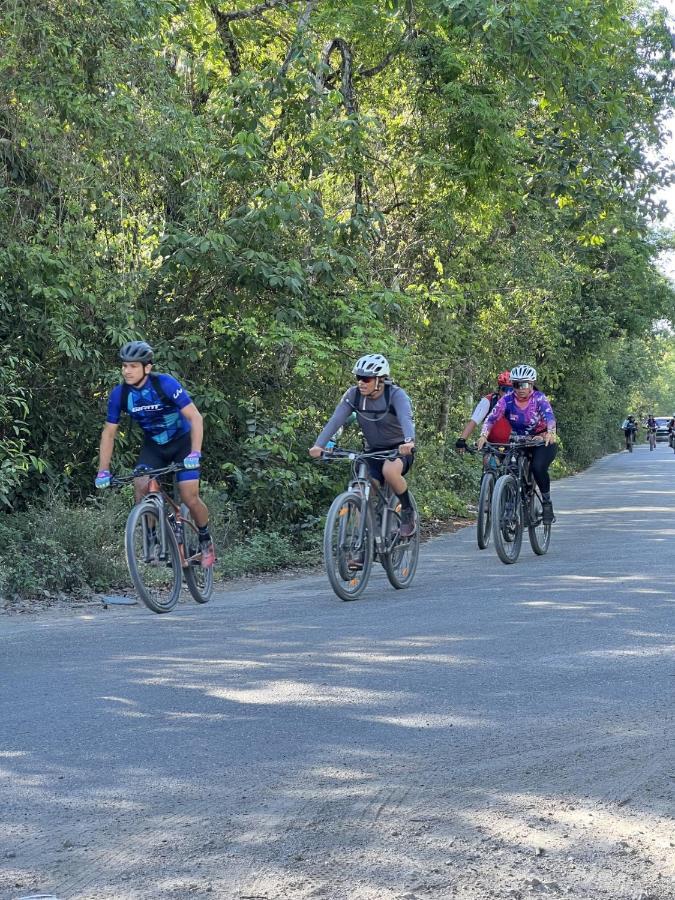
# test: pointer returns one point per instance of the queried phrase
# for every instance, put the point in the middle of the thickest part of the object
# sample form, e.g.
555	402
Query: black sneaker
407	529
547	516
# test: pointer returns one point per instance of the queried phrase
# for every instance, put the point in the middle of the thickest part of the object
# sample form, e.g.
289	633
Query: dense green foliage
265	191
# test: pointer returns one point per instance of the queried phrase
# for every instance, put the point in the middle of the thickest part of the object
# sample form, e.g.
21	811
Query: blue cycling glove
192	460
103	479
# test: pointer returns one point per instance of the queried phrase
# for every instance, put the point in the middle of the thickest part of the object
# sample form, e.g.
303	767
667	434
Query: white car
662	427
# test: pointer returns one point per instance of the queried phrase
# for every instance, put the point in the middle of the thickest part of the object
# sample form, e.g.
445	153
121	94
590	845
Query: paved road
494	732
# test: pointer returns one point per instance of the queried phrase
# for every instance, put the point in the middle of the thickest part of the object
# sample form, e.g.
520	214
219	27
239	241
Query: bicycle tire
400	563
484	520
538	533
158	582
507	519
199	580
342	525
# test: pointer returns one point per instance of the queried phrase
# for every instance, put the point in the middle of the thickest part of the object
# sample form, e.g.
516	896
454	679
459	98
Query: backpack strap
493	400
353	402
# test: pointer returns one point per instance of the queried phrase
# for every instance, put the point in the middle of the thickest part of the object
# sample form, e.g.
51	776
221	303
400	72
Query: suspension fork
363	489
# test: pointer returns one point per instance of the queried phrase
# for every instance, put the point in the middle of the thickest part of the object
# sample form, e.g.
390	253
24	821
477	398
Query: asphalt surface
494	731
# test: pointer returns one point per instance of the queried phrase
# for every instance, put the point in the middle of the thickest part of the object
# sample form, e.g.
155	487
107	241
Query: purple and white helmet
372	364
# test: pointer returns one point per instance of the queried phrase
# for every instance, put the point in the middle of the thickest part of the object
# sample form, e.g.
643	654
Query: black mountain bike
517	504
363	526
162	545
493	467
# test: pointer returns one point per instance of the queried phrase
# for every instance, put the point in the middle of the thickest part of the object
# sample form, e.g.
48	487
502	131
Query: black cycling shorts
375	466
158	455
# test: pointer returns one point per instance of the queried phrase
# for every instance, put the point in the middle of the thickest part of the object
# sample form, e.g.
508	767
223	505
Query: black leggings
540	459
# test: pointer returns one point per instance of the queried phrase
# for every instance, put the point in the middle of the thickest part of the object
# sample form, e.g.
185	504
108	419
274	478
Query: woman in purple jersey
529	413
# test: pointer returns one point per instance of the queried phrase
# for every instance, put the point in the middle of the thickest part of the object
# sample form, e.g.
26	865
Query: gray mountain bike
362	527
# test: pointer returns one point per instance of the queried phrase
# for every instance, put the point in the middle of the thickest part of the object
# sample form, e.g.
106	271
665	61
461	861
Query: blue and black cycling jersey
155	407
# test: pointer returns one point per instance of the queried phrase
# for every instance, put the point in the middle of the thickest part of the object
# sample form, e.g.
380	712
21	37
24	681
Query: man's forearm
197	434
105	451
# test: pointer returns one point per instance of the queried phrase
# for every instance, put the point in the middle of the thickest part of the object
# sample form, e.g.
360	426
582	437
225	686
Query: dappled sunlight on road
507	724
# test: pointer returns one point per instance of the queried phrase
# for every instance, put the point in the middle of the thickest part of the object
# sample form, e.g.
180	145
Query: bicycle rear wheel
539	534
507	519
198	579
156	575
347	566
484	521
400	562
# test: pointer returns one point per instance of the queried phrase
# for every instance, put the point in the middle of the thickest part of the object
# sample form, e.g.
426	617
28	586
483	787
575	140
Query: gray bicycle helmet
136	351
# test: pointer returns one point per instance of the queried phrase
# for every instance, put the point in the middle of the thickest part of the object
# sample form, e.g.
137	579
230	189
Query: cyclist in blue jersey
172	432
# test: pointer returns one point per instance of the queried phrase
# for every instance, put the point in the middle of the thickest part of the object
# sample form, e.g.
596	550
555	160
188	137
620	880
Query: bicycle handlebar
339	453
513	443
146	472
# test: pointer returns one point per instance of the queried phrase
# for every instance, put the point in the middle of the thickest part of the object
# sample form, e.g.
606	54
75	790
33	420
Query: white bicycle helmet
523	372
372	364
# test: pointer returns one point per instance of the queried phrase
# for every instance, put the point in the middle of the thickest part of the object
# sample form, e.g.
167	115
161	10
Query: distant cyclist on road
172	430
501	431
629	427
384	413
529	413
651	431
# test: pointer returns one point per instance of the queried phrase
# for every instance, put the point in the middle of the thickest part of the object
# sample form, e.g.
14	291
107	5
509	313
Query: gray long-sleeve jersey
393	417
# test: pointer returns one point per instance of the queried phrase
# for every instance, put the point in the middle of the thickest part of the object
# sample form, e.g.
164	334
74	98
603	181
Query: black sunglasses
521	384
366	378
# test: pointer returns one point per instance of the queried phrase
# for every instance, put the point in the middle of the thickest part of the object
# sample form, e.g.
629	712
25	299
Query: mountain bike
493	465
652	438
162	545
363	526
517	503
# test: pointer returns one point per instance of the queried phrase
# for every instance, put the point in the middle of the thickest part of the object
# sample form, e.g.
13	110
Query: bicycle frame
517	463
168	511
376	498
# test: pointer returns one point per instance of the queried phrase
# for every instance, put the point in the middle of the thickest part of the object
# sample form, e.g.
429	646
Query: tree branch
347	87
408	35
303	22
227	38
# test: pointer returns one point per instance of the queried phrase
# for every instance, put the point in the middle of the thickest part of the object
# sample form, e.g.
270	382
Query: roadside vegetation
264	191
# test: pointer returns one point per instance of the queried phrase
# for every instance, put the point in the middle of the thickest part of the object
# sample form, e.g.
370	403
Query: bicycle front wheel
348	565
507	519
155	571
198	579
539	534
400	559
484	521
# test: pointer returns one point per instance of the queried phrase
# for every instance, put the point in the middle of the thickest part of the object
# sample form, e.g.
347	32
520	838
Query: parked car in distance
662	428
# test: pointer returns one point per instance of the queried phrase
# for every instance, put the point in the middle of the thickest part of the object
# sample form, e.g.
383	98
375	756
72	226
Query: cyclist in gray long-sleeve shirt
384	413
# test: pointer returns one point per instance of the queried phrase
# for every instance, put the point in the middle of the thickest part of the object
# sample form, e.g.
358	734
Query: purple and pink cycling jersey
534	418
